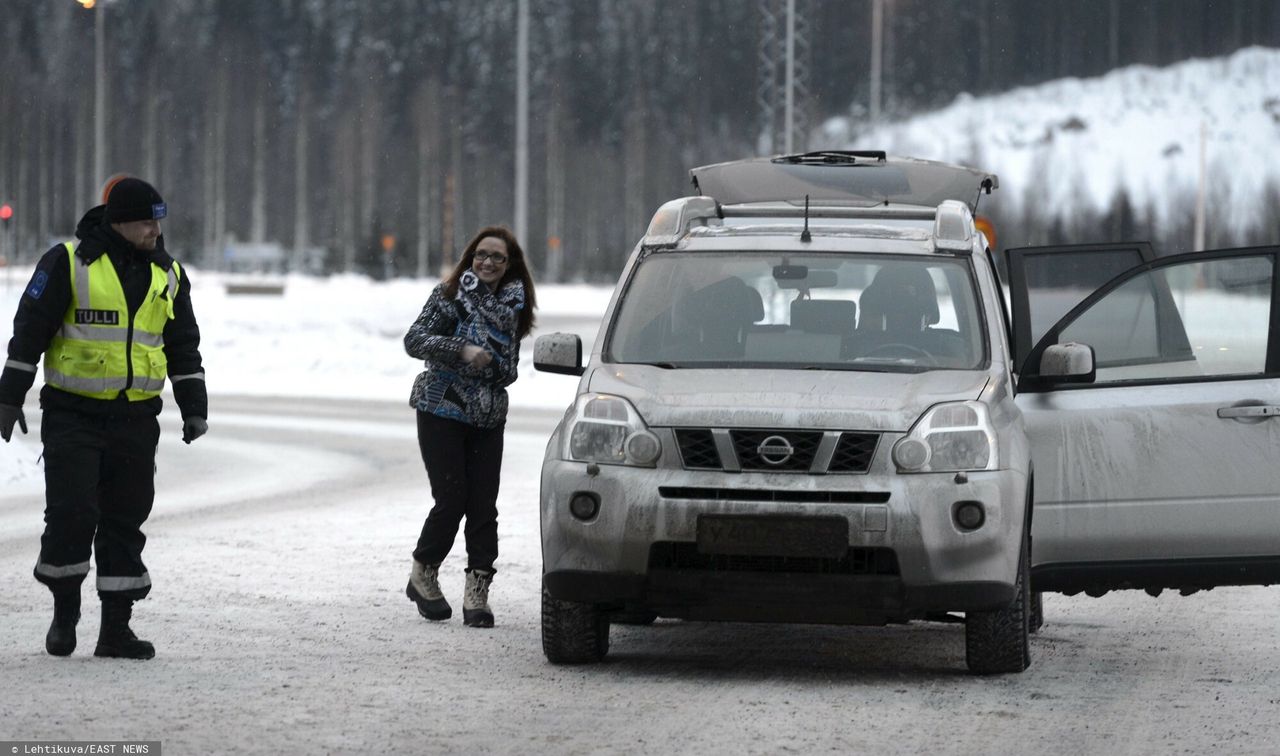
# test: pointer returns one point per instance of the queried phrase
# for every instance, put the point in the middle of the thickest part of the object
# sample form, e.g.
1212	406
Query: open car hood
843	177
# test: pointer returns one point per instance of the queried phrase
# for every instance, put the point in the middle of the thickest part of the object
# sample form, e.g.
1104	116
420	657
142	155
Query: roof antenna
804	235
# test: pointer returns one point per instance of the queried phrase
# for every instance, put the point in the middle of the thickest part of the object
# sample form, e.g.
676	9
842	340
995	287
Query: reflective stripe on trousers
61	571
107	584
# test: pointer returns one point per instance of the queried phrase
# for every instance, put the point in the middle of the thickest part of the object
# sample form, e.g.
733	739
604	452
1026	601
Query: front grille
803	444
698	449
666	555
854	453
769	494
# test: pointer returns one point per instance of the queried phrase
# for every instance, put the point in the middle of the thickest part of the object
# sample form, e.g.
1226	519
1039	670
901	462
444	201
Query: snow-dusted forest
324	126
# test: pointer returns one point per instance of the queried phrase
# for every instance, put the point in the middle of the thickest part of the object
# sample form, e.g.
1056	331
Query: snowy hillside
1076	142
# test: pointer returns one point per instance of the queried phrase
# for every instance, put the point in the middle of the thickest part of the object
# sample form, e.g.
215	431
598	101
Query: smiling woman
469	335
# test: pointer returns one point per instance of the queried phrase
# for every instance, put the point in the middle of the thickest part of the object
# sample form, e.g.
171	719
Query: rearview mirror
558	353
803	277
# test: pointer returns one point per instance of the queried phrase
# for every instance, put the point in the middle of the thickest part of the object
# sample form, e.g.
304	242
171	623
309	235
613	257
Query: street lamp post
522	122
99	90
99	95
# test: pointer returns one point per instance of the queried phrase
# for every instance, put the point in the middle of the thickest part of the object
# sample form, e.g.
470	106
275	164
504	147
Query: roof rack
674	218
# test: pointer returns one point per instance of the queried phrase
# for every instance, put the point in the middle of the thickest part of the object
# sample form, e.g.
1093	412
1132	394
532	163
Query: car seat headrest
901	296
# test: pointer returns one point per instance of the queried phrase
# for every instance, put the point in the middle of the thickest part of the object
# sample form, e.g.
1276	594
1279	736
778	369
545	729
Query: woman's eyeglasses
497	258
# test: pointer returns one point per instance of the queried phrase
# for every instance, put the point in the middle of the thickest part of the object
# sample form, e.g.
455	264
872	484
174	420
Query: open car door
1156	465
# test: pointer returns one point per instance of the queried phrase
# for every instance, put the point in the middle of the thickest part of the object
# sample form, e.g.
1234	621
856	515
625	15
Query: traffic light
6	214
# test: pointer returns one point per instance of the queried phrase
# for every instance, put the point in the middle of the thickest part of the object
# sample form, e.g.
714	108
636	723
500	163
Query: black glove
9	415
192	428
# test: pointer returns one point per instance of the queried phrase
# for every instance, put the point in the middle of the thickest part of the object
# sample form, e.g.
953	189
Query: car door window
1046	282
1195	319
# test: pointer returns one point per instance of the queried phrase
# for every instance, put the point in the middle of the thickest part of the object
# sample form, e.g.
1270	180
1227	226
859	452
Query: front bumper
621	557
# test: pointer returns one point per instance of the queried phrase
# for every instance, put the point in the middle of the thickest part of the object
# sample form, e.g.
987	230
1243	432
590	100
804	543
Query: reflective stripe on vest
99	351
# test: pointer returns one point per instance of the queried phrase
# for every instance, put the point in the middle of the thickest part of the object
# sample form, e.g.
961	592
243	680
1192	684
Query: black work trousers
464	464
99	475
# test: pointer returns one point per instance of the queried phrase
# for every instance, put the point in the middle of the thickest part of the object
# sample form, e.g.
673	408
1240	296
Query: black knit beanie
132	199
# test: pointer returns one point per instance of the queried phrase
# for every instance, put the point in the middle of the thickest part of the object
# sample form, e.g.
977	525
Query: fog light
583	505
970	515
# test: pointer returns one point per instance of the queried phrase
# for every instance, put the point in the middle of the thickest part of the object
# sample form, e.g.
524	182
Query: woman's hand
475	356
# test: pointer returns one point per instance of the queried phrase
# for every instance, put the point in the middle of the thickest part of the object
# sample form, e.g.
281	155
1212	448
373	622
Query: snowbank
1075	143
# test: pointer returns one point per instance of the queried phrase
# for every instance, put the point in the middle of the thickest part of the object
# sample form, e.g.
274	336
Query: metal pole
522	121
877	43
791	76
99	99
1200	190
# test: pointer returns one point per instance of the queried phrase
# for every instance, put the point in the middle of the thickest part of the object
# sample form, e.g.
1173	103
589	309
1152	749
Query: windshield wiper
833	157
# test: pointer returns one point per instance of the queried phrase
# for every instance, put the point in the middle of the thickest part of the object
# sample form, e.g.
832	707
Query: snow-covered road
280	552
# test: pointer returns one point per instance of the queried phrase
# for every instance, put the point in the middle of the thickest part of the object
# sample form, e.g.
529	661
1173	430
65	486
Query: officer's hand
193	428
9	415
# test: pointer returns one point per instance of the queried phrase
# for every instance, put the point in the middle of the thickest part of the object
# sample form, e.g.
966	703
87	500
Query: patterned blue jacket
449	387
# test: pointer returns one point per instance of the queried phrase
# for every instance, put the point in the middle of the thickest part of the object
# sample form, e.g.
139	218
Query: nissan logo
775	450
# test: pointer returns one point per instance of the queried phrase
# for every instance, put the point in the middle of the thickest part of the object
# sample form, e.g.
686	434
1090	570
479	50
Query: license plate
773	535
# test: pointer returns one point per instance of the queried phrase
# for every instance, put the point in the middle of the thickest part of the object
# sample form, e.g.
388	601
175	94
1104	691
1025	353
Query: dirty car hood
784	398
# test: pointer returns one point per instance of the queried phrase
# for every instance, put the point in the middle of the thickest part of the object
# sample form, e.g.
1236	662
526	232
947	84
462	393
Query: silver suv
804	405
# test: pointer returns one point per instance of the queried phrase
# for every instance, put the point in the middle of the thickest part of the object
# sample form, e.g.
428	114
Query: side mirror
1068	363
558	353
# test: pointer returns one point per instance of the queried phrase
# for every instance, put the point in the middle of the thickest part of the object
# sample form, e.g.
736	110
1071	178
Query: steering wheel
902	350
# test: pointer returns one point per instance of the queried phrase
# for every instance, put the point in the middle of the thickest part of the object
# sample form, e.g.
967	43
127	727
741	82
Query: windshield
824	311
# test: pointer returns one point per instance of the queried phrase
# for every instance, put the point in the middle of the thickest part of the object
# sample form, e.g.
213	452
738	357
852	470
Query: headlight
609	430
949	438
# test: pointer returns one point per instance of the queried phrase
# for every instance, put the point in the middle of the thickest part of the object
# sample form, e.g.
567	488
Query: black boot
115	639
61	639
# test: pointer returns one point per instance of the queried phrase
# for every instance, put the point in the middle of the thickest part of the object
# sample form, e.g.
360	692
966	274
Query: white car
805	404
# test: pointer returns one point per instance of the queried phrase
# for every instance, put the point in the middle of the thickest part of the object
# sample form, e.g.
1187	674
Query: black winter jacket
44	305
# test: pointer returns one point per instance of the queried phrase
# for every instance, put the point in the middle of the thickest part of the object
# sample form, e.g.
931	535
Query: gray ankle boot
475	601
424	590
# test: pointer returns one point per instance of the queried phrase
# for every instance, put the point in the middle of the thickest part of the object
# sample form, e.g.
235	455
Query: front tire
997	641
572	632
1036	621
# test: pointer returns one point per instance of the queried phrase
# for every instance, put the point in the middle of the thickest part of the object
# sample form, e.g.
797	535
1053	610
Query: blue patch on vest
38	282
159	211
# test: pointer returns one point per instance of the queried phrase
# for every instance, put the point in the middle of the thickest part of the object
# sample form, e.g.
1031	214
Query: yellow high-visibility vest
99	352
